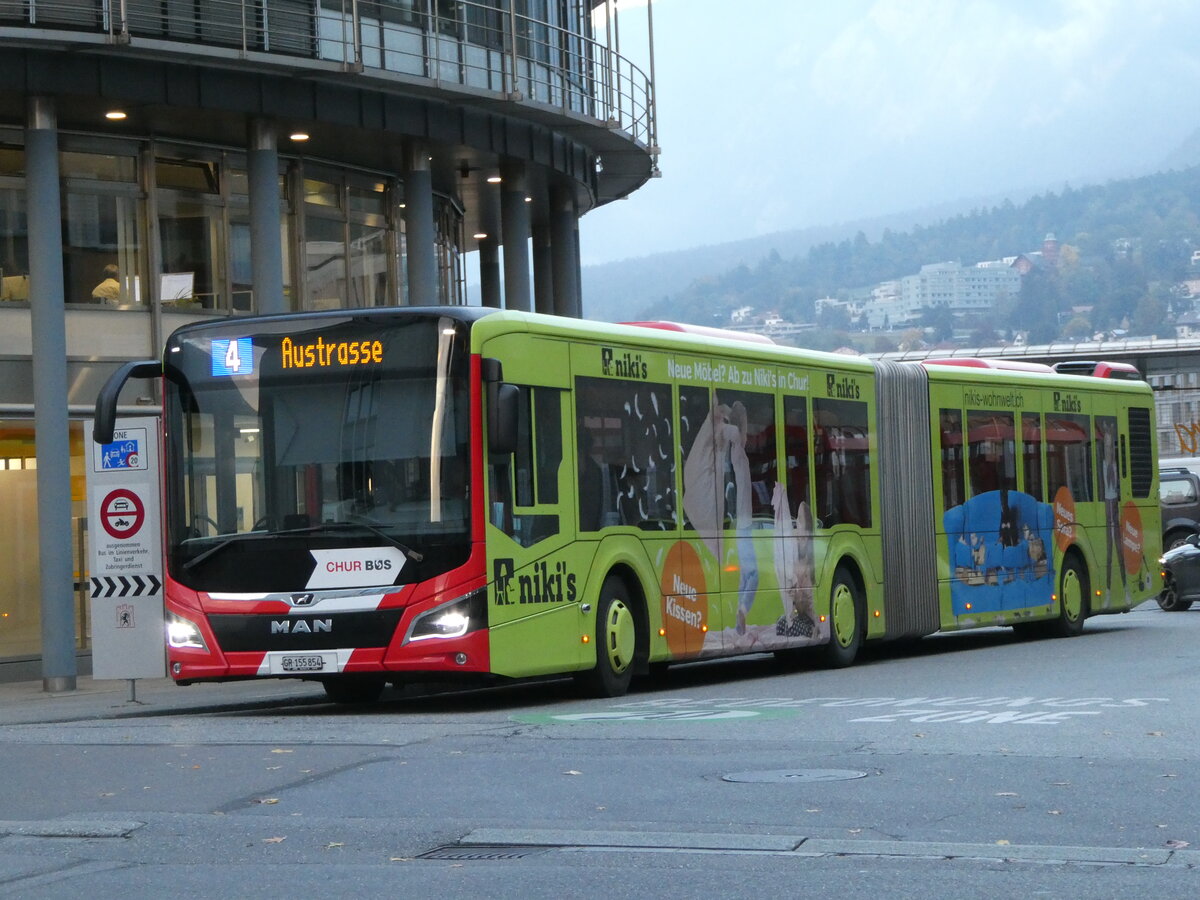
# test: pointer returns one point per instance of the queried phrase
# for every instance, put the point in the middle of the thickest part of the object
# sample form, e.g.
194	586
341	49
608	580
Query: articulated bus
372	496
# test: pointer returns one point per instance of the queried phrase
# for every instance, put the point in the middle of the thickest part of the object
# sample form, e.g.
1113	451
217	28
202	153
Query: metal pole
650	101
489	272
608	66
514	93
564	252
49	348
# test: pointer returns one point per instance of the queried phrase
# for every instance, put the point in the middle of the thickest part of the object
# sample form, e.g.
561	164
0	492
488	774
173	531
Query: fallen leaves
1177	845
265	801
274	840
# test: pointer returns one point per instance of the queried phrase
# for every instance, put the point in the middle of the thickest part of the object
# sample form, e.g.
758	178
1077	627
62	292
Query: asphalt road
977	765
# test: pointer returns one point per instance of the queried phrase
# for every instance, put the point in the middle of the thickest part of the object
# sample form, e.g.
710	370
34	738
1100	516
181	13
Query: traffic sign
122	513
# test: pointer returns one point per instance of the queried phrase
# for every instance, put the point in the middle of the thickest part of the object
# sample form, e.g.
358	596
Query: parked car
1181	575
1179	494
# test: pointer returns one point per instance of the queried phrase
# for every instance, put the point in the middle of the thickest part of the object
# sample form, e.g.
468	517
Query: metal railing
482	46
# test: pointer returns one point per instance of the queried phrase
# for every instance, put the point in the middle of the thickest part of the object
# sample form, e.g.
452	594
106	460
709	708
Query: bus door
534	618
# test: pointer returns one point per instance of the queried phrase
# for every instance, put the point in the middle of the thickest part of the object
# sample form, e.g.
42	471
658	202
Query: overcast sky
783	114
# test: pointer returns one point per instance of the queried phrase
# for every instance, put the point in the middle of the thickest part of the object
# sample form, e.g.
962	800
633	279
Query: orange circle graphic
1132	537
684	600
1064	518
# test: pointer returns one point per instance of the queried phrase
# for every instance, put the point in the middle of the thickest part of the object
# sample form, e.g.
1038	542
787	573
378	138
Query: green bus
372	496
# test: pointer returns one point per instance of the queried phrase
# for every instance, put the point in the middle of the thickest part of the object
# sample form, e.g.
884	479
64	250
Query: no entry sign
122	513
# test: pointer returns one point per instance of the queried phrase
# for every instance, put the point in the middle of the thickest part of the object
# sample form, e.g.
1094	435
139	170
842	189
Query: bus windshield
310	435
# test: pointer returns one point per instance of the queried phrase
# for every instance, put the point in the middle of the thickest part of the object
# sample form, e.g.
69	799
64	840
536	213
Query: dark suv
1179	493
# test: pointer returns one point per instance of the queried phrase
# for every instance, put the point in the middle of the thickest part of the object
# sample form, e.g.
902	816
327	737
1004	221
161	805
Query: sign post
126	554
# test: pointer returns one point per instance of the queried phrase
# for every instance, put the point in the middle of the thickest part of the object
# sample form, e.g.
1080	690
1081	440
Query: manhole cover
775	776
482	852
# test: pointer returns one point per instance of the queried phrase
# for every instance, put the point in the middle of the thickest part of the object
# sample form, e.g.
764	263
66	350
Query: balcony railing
486	47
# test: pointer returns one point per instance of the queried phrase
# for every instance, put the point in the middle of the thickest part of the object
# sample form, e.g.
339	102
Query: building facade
164	162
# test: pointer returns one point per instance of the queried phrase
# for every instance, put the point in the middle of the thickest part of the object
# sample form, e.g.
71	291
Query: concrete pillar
266	251
514	224
49	351
419	234
564	244
543	272
489	271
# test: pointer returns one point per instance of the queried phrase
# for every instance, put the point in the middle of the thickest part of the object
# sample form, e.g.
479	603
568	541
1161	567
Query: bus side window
795	448
992	451
625	465
529	478
842	462
950	425
1069	455
1031	453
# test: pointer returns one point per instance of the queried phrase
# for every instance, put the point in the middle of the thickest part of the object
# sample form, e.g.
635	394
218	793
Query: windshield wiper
217	548
412	554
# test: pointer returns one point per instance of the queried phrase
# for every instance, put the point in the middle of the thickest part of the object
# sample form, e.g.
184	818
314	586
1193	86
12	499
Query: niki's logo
627	365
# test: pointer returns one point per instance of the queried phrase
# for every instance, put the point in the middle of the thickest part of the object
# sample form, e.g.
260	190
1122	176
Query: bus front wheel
845	620
616	641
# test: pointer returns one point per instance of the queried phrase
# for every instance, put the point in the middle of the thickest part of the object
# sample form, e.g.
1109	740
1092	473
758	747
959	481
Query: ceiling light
528	199
299	136
494	179
115	115
479	235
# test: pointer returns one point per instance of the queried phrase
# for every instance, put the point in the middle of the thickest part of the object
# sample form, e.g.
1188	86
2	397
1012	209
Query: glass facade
146	221
20	602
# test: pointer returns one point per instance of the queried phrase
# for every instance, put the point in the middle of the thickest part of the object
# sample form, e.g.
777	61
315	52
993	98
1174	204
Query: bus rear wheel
845	620
1072	599
616	642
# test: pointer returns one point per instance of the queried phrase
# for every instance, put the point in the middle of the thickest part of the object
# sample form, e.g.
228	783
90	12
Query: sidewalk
24	702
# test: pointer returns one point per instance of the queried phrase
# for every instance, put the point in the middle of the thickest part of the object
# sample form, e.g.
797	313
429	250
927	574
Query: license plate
302	663
296	663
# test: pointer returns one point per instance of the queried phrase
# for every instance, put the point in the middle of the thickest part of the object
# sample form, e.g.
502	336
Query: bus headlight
184	634
453	619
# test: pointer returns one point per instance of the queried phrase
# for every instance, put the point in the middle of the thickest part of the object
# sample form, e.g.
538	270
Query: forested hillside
1125	244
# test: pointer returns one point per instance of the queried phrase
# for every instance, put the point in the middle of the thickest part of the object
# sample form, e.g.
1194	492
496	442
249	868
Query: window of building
20	602
102	258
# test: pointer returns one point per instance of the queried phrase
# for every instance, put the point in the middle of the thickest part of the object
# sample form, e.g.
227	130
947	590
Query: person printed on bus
109	289
1111	491
734	434
703	493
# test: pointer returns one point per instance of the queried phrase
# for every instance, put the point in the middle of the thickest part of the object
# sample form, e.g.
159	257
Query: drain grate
482	852
793	776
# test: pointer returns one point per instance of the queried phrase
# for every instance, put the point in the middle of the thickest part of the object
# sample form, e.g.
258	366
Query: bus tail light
451	620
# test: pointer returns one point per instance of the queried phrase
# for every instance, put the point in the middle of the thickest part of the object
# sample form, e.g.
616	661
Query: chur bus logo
303	599
843	388
1067	402
627	365
301	626
543	584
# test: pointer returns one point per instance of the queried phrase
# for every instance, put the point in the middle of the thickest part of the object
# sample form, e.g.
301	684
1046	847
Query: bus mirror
502	417
106	401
